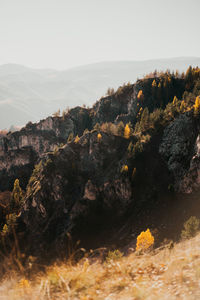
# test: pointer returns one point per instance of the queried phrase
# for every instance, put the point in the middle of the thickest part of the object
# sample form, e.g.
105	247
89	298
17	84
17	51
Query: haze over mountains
28	94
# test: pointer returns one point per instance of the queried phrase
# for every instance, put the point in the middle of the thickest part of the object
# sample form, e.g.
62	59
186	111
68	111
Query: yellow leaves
86	264
99	137
5	229
154	83
197	105
140	95
124	168
144	240
127	131
76	140
23	284
175	100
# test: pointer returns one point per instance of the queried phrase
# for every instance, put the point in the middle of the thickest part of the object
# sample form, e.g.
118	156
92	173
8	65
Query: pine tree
17	198
120	128
144	122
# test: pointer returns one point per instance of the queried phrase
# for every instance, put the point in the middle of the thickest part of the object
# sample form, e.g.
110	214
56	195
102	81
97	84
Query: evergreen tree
144	122
17	198
120	128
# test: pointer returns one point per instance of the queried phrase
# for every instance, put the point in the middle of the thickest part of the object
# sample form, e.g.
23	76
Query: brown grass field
168	273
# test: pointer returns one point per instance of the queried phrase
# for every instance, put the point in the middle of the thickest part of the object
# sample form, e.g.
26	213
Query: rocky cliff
106	175
20	151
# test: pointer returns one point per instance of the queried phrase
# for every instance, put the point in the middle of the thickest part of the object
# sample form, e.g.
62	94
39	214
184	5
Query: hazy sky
65	33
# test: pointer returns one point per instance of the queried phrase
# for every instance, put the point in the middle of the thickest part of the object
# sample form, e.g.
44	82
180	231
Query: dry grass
162	274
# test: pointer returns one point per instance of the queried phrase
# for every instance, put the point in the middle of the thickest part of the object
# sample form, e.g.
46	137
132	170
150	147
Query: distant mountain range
32	94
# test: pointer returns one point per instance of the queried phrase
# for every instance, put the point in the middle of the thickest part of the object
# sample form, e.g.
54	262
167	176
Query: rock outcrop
178	147
79	181
91	181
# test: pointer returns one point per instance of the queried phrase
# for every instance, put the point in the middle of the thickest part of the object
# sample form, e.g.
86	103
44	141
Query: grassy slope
161	274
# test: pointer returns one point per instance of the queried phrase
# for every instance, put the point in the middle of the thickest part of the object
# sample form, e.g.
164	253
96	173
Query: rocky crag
107	173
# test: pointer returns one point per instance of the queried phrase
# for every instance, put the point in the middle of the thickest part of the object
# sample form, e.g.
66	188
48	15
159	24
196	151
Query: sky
62	34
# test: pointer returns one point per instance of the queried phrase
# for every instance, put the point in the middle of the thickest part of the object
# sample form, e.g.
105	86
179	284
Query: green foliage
114	255
156	117
144	122
191	227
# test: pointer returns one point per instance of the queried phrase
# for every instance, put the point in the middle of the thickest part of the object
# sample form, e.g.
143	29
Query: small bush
124	169
191	227
76	140
145	240
127	131
114	255
99	137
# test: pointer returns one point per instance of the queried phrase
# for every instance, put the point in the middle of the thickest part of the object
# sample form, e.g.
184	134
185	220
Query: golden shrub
124	168
144	240
99	137
154	83
76	140
197	105
127	131
140	95
23	283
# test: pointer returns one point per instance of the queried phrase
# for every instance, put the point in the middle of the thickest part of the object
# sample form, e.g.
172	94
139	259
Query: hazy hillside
30	94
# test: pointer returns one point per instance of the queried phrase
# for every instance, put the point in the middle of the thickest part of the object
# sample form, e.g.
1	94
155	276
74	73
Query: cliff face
83	185
20	151
101	178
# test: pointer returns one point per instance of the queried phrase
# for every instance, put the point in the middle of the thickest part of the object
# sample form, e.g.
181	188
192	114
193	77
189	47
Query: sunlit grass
160	274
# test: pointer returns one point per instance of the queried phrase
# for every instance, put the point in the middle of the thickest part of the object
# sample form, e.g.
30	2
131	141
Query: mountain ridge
33	94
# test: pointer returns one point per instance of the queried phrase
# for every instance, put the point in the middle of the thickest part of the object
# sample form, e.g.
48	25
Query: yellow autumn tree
197	105
145	240
140	95
175	100
124	168
99	137
127	131
154	84
76	140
